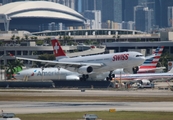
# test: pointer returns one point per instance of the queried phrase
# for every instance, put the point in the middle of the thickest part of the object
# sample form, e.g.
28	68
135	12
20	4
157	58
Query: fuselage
149	76
110	61
47	74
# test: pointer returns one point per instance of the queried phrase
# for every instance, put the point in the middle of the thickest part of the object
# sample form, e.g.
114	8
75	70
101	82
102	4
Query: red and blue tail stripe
152	61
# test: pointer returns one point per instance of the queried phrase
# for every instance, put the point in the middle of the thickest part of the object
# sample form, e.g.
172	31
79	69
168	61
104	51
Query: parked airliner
47	74
144	78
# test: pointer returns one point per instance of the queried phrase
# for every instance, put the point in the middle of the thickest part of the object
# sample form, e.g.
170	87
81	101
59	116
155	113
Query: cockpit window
139	55
18	73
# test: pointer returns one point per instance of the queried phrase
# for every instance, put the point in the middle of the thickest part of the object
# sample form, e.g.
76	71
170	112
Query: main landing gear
84	77
111	76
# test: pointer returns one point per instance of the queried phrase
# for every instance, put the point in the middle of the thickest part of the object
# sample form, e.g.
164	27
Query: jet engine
145	82
85	70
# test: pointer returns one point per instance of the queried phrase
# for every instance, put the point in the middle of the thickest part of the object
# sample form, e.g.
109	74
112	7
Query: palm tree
18	63
13	37
12	67
165	57
18	39
10	70
47	40
26	37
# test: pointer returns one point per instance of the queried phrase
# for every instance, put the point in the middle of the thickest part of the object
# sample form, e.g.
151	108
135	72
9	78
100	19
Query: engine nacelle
145	82
85	70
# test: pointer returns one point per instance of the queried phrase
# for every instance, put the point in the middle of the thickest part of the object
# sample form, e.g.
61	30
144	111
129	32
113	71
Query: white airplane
63	74
47	74
144	78
149	66
93	64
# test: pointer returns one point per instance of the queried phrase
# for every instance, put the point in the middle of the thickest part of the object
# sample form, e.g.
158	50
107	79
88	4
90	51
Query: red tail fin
57	49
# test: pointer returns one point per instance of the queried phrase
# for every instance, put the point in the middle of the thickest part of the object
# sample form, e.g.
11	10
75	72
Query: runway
26	107
51	107
71	92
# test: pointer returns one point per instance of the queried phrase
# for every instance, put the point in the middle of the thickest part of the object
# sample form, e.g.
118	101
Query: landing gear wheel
85	77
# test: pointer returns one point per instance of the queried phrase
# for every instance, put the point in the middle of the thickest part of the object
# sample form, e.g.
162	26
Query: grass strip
104	115
84	98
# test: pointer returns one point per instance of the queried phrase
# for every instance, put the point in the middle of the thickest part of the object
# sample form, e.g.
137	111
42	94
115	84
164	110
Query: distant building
94	18
149	20
128	10
68	3
161	12
144	19
83	5
170	16
112	10
128	25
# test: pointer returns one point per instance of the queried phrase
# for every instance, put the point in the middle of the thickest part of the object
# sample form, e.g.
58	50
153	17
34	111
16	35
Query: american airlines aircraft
144	78
150	63
92	64
47	74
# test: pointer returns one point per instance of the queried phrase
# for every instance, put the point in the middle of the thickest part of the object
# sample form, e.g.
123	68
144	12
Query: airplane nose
142	59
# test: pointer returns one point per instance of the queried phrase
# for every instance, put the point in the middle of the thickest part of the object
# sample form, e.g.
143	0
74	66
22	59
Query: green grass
104	115
84	98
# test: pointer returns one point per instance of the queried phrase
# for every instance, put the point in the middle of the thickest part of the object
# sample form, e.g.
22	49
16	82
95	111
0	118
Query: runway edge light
112	110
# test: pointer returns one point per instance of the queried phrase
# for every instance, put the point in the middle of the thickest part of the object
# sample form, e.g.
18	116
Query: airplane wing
63	64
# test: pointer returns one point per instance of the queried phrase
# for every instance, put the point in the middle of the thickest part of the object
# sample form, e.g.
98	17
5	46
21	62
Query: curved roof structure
40	9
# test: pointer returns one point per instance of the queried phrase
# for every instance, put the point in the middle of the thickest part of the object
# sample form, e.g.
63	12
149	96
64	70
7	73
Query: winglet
57	49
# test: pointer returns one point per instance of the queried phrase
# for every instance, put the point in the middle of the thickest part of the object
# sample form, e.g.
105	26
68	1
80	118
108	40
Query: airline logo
58	52
151	62
120	57
56	47
33	72
50	73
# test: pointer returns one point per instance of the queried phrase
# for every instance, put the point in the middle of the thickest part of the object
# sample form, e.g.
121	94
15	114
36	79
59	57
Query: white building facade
93	18
170	16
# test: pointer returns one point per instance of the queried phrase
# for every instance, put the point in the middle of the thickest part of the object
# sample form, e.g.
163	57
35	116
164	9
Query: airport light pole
42	68
1	65
58	72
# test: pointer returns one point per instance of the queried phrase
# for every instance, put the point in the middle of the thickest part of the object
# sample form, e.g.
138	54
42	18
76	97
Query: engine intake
85	70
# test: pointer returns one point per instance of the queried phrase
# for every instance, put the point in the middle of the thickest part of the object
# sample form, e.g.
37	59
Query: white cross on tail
56	48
